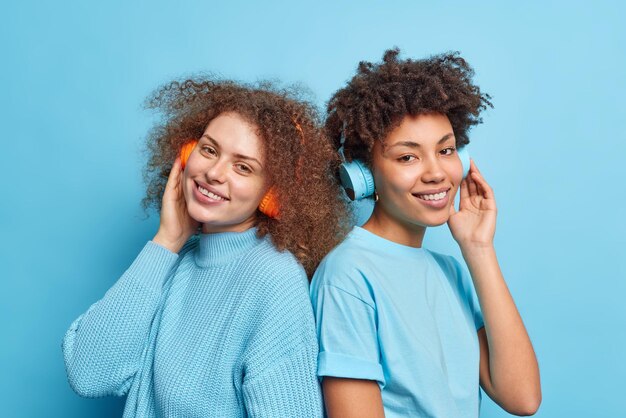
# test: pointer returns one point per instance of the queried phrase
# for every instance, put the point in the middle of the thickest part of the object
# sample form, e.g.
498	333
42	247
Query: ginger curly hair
378	97
313	216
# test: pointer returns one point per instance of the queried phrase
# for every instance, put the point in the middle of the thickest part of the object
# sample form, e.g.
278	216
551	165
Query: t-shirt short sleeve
346	327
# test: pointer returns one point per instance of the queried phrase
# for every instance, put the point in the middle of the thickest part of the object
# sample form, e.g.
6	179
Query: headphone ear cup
357	179
186	150
269	204
464	156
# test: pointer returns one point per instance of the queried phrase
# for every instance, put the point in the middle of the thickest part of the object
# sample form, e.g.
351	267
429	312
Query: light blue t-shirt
405	317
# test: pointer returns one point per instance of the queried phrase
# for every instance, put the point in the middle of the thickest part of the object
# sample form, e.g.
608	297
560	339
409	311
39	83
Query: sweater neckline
224	247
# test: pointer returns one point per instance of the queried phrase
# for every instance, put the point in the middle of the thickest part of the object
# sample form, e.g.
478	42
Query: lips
208	194
437	198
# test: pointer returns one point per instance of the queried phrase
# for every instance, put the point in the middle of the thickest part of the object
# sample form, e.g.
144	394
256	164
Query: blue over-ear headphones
358	181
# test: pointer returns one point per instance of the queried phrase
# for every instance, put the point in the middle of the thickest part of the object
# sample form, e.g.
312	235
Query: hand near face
474	225
176	225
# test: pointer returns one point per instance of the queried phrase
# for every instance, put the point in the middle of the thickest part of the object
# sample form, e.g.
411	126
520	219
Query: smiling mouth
432	197
211	195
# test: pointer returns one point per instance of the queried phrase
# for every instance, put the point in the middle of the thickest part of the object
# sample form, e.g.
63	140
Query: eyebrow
414	144
239	156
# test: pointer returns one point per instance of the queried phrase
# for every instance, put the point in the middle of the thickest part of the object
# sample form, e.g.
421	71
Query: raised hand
509	373
176	225
474	225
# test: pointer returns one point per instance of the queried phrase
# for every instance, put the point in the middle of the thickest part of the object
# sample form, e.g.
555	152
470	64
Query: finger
477	181
473	166
480	179
464	189
473	190
177	167
181	183
485	189
173	179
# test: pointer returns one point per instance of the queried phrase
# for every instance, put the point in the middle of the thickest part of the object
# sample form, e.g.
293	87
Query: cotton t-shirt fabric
405	317
222	329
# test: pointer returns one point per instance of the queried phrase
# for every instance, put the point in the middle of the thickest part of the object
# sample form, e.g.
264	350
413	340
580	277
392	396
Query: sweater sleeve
287	389
103	347
281	361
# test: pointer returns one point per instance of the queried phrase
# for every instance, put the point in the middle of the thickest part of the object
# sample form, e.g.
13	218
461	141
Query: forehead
423	129
232	132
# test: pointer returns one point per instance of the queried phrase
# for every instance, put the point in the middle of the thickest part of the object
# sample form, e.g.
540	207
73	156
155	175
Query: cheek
399	181
248	190
456	173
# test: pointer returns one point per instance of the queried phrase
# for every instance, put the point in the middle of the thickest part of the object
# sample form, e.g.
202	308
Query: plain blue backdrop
74	76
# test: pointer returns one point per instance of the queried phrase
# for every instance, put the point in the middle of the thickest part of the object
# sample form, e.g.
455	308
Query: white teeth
209	194
437	196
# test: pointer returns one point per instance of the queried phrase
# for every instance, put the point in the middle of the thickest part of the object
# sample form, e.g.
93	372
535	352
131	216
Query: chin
432	222
210	221
196	214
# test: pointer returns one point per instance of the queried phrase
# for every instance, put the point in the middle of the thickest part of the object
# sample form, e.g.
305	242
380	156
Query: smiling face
417	173
224	179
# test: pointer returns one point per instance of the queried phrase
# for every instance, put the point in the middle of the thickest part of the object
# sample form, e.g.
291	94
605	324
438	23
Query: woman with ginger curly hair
218	323
404	331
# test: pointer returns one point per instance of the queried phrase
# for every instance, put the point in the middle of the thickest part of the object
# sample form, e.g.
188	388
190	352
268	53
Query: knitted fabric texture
223	329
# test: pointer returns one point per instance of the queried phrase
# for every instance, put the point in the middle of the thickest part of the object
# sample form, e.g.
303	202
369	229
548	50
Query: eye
209	150
448	151
406	158
243	168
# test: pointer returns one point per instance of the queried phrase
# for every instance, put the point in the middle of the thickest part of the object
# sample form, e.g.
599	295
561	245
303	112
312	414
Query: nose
433	171
216	172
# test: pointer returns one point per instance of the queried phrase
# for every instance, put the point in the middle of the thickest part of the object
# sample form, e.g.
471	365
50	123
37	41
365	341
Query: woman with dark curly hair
404	331
213	318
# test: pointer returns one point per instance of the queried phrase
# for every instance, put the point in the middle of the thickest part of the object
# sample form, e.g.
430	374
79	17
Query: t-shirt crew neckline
384	244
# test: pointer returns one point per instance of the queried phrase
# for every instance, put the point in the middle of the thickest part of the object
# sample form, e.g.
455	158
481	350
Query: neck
240	227
394	229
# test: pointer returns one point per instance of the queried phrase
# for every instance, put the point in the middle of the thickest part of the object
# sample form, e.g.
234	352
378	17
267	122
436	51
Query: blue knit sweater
223	329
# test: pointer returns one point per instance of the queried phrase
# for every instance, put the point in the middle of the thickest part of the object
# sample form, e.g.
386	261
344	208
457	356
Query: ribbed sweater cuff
152	265
288	390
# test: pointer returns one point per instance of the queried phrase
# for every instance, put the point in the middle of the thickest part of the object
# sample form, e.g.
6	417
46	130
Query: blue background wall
73	79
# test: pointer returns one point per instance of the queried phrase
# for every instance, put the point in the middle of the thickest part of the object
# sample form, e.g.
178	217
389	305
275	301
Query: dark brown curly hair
378	97
313	217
